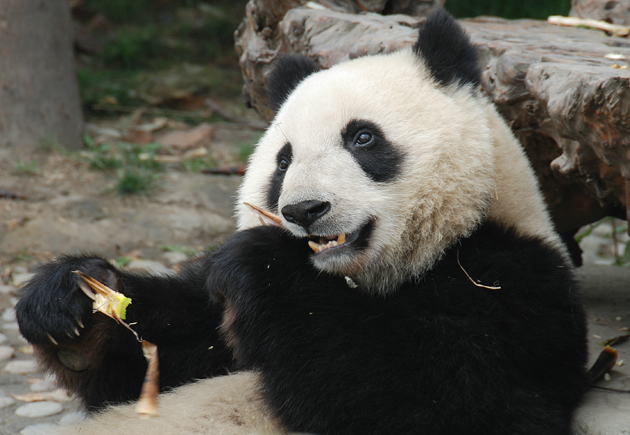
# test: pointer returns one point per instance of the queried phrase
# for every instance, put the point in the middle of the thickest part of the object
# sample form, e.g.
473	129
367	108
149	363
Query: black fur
441	356
379	158
447	51
283	161
286	74
172	312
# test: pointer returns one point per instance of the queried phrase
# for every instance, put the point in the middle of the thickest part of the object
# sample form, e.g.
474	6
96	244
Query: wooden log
612	11
565	99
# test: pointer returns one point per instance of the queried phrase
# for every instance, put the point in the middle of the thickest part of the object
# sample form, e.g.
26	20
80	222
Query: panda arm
442	354
100	360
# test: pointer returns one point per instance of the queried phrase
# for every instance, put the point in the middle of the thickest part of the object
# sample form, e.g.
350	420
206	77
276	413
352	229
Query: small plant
26	168
101	158
136	166
121	262
198	165
244	151
23	254
135	181
186	250
620	259
119	10
50	143
132	48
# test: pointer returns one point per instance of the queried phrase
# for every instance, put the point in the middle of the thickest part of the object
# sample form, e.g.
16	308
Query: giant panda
415	284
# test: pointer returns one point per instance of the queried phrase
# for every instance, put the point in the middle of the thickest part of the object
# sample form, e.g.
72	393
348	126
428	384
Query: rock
612	11
3	338
21	367
20	279
11	326
184	140
39	409
6	353
174	257
9	315
601	414
7	289
41	385
72	418
39	429
149	266
5	402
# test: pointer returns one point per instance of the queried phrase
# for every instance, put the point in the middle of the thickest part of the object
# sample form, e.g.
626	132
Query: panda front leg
101	361
325	362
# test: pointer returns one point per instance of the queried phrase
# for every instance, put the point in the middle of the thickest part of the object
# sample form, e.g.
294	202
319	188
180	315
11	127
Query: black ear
287	73
447	51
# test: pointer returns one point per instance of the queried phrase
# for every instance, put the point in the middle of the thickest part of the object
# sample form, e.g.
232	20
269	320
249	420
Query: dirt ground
65	207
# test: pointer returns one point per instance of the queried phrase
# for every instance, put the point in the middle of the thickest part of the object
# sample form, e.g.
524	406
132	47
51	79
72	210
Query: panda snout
306	212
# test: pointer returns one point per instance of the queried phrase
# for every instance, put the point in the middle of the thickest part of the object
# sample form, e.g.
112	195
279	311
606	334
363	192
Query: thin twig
473	281
588	22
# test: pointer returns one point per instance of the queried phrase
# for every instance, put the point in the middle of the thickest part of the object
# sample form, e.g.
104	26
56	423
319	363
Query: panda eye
363	138
283	165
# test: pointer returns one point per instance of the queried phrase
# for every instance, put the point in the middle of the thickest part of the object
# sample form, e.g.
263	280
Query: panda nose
306	212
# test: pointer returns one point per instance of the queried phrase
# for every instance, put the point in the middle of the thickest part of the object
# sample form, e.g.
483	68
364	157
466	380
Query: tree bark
612	11
39	94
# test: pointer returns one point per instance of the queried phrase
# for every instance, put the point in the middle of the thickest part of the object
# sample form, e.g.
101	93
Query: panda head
382	162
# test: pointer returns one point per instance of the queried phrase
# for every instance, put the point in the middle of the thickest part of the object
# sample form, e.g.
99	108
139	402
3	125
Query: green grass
26	168
133	48
539	9
135	166
246	150
187	250
120	11
100	86
198	165
621	259
23	254
121	262
133	181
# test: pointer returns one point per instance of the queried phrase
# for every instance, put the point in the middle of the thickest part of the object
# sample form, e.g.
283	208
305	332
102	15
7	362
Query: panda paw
251	258
52	308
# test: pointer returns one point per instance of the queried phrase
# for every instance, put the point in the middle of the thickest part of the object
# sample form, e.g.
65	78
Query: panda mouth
356	239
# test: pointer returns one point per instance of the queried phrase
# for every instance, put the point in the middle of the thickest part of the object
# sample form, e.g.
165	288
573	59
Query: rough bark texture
613	11
565	101
39	94
259	38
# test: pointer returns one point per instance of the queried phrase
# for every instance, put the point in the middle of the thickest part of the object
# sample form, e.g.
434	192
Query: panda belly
440	356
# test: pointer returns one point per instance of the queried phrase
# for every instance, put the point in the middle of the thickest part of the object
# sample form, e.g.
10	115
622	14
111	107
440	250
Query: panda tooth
341	239
314	246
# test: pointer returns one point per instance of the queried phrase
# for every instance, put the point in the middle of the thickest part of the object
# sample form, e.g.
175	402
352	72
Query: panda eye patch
377	156
283	161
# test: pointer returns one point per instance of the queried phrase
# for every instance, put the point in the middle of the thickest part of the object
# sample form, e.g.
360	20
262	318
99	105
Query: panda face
376	166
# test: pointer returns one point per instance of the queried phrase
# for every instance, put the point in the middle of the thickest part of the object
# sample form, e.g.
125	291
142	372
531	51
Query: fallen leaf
183	140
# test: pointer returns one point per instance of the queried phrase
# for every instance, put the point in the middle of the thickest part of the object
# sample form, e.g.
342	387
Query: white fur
228	405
